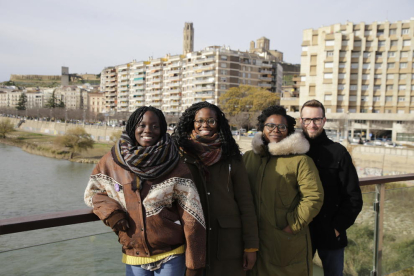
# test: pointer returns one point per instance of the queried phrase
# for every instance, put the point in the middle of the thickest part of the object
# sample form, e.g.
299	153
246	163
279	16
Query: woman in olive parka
287	194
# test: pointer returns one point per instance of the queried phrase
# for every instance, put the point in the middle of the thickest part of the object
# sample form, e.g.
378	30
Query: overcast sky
37	37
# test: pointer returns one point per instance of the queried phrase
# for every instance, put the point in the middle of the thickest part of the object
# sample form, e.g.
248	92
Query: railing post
378	228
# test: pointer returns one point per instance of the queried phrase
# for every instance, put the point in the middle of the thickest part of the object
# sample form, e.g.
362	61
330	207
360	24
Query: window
353	87
401	87
341	87
404	54
223	86
364	87
328	110
406	43
352	98
377	87
328	97
400	111
357	43
356	33
367	54
403	65
393	31
401	99
340	97
355	54
365	76
327	75
378	65
366	66
380	32
344	42
405	31
340	110
341	76
390	65
304	48
376	98
368	33
342	65
329	54
354	65
390	76
412	99
223	65
390	87
354	76
388	111
328	64
329	42
377	76
368	44
391	54
388	98
363	110
375	111
393	43
303	78
402	76
223	57
342	54
381	43
223	79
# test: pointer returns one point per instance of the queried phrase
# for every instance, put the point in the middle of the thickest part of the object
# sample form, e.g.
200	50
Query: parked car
393	145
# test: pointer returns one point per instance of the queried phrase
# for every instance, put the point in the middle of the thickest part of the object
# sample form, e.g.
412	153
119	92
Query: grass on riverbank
42	144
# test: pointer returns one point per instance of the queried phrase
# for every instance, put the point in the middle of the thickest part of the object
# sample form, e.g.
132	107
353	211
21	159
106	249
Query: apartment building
9	97
109	87
73	96
362	71
96	102
34	99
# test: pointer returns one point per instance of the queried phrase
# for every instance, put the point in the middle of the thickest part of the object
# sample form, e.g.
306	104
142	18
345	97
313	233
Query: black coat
343	198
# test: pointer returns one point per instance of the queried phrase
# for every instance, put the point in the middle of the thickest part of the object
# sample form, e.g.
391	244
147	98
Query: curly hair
186	125
276	110
136	118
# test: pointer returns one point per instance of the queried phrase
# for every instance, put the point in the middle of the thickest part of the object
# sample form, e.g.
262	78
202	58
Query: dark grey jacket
343	198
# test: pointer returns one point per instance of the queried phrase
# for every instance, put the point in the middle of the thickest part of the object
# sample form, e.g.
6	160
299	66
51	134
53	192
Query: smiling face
204	128
312	130
148	131
275	135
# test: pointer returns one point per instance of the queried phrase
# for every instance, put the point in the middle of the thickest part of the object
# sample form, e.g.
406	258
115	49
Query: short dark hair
136	118
276	110
313	103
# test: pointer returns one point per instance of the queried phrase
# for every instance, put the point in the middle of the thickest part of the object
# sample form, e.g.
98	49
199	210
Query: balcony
386	211
264	65
207	80
205	67
204	88
204	60
265	72
265	79
266	85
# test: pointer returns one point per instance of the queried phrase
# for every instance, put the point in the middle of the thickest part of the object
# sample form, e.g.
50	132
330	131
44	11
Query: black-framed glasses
210	122
280	127
316	121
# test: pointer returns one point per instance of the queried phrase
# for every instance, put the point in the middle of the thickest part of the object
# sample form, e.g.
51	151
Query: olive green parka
286	191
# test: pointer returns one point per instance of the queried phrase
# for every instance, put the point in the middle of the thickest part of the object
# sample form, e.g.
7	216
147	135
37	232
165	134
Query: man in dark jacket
343	199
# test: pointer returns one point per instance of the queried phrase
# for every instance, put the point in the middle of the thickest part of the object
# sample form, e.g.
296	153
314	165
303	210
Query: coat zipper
228	179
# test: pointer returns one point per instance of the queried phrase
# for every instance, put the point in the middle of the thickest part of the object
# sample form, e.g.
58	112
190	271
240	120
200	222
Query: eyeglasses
210	122
316	121
271	127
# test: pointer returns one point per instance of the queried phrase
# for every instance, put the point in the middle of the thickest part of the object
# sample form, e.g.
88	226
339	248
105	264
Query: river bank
43	145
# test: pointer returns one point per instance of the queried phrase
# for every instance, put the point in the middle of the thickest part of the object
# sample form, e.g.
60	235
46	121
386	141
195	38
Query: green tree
76	139
53	102
6	126
246	99
21	104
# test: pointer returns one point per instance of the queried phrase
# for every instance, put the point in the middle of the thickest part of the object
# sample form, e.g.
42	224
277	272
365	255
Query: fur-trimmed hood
296	143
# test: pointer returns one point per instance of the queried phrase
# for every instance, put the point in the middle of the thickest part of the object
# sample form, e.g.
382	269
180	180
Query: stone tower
263	44
188	39
65	76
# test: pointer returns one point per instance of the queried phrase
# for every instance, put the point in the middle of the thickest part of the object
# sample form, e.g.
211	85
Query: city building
34	99
363	73
72	96
96	102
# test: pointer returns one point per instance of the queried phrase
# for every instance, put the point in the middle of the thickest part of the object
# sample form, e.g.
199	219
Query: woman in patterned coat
147	196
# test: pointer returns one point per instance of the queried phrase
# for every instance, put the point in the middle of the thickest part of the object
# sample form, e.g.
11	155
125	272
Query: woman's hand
287	229
121	225
249	258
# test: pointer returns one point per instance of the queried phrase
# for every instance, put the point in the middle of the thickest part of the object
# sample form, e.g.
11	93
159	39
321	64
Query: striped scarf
208	149
146	162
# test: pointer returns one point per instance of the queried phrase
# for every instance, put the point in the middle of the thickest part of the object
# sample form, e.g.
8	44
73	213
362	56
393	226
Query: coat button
209	229
142	229
147	253
137	253
208	193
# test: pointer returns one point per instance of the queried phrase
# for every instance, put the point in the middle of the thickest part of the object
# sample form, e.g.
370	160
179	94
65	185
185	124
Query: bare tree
6	127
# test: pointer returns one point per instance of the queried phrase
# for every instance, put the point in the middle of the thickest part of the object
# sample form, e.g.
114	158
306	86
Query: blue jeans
174	267
332	261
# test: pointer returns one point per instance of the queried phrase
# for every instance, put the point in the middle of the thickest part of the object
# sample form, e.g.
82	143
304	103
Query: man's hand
287	229
249	258
121	225
336	233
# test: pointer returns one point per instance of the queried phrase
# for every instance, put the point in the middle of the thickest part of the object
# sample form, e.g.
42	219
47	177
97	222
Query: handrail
35	222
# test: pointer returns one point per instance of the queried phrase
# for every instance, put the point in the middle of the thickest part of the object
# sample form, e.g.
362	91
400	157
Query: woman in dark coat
207	146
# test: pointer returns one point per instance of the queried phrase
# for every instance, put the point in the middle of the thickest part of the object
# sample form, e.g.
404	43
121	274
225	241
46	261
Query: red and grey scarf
146	162
208	149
